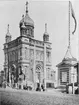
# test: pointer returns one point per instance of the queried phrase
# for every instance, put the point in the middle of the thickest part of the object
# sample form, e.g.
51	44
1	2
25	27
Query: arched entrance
38	75
12	77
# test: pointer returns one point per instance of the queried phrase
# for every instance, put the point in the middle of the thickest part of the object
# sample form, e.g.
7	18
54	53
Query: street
23	97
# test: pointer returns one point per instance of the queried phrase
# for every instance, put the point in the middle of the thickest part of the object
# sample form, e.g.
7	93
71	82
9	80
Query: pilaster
45	65
34	66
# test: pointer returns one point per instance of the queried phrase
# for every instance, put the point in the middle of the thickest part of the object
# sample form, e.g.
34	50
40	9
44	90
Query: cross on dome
26	20
8	28
46	27
27	7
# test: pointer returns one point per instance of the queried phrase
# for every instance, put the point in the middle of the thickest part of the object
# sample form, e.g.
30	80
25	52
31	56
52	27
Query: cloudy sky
54	13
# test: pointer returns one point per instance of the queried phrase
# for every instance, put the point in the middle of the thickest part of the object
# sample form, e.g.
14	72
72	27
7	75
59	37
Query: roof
26	20
68	59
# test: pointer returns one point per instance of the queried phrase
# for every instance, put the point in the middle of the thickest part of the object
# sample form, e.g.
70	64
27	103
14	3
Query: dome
26	19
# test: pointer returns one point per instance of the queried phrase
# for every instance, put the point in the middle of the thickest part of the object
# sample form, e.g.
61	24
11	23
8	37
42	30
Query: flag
73	15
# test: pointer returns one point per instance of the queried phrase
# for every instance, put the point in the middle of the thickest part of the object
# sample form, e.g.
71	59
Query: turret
8	35
46	35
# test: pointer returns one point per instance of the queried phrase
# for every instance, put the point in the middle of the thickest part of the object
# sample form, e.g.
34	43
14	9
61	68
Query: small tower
46	35
8	35
26	25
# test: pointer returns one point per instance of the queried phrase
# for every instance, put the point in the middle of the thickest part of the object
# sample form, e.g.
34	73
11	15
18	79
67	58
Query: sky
54	13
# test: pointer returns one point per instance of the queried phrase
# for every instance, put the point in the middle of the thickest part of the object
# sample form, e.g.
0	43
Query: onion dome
46	35
26	20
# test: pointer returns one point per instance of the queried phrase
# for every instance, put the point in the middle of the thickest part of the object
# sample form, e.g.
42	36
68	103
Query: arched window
26	53
22	31
27	31
31	32
48	57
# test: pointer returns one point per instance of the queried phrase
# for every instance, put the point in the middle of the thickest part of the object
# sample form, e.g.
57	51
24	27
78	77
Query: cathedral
27	60
66	70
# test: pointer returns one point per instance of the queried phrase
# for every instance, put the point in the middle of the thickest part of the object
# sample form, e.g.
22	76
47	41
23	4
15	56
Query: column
72	71
40	78
9	78
34	65
45	66
8	65
58	76
69	75
5	69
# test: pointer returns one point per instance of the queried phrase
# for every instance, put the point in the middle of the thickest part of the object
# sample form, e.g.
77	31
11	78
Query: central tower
26	25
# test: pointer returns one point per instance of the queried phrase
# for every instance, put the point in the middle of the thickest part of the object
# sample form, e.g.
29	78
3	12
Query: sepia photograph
39	52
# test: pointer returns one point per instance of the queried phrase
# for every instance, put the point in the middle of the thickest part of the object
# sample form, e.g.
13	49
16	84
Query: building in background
28	60
76	66
2	78
66	71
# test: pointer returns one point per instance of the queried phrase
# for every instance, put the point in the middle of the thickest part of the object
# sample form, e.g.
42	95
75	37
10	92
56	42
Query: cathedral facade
27	60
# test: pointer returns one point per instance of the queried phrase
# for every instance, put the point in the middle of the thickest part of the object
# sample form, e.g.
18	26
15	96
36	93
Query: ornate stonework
31	57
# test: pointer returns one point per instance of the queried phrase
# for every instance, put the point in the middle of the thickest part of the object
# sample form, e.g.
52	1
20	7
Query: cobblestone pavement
23	97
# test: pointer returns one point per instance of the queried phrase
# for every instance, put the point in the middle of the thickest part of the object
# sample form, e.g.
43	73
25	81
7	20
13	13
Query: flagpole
69	46
69	26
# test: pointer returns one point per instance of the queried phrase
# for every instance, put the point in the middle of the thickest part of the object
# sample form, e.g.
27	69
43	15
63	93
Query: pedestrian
67	88
42	86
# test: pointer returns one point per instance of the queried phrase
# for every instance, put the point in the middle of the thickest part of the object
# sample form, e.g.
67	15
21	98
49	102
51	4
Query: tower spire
8	35
45	27
26	6
7	28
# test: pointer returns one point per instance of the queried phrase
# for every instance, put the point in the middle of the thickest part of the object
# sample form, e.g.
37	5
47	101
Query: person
42	86
38	87
67	88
